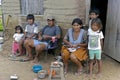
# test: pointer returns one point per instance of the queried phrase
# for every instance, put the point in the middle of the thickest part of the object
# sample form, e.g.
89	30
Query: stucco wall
63	10
12	8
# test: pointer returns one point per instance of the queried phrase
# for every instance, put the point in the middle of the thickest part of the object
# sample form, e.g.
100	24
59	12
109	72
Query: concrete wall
63	10
12	8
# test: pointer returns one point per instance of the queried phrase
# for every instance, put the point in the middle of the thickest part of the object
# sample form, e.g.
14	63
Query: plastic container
14	77
1	43
1	39
36	68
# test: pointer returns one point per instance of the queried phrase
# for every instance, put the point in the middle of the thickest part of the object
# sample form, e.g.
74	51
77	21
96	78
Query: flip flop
13	59
24	60
16	59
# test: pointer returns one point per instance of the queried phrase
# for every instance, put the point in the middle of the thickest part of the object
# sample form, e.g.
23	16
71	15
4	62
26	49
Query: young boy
31	28
93	13
31	31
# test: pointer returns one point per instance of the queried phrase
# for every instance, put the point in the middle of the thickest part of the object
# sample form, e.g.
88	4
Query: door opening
102	6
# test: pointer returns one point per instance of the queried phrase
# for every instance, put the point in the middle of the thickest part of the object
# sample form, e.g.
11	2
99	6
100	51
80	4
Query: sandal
26	59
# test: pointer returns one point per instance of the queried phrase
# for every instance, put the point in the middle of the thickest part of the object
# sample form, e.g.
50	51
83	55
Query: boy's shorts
95	54
37	42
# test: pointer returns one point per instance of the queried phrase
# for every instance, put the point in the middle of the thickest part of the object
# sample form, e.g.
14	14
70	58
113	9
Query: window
32	7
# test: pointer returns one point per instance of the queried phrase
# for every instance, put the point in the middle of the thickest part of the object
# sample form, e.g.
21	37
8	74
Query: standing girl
95	43
17	37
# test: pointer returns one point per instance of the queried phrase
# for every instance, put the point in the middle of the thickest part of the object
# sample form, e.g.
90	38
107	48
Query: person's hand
28	38
40	38
46	37
75	46
53	39
70	45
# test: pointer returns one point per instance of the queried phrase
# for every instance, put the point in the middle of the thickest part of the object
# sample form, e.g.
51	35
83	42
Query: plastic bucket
36	68
1	39
1	43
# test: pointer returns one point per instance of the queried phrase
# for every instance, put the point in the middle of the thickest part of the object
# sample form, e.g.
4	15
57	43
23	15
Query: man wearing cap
44	36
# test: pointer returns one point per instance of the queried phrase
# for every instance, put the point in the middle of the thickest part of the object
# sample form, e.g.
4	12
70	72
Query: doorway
102	6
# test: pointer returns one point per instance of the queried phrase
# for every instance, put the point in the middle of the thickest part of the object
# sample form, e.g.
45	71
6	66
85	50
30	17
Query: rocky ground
110	67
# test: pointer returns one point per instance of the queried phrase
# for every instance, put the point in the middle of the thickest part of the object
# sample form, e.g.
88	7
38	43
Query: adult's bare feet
66	70
79	72
35	60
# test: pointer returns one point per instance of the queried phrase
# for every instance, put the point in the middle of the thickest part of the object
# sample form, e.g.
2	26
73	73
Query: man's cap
50	18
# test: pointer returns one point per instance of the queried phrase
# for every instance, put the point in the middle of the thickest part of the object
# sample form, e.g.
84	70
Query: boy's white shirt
31	29
35	28
90	21
92	36
18	37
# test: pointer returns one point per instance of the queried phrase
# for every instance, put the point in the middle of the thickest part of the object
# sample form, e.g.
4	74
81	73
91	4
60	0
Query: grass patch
1	26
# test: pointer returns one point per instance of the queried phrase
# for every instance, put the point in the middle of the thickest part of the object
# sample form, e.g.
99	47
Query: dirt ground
110	68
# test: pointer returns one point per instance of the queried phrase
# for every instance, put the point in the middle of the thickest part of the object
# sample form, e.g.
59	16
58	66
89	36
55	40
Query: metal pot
42	74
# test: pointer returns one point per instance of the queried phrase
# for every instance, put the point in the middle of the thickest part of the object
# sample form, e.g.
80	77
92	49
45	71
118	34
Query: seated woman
75	45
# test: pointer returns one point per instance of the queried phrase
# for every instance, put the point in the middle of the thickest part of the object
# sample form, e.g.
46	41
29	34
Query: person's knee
91	60
38	48
29	43
20	43
26	42
72	56
98	60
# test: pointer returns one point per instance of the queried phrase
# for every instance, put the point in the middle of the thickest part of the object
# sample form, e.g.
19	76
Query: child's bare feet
88	76
79	72
99	74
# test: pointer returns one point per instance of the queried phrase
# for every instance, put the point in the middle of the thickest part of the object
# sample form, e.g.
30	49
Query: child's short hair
98	22
94	10
19	28
30	16
77	20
